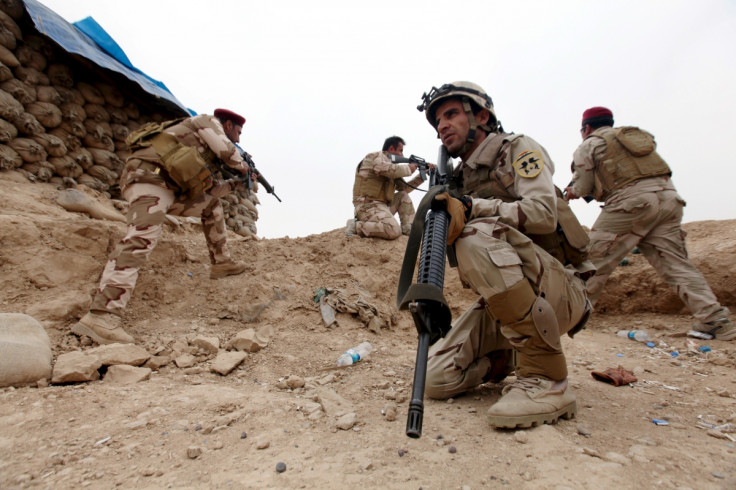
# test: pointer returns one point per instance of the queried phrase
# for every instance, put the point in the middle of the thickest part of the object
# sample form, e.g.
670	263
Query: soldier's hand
459	211
568	194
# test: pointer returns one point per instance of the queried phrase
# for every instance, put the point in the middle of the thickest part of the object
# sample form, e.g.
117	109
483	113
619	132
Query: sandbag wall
64	120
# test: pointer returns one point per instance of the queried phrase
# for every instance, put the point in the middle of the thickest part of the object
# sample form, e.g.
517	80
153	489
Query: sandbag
9	158
46	113
23	93
7	131
28	149
53	145
60	74
46	93
90	93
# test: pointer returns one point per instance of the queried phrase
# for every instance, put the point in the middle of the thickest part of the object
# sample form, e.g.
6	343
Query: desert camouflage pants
376	219
149	205
527	301
651	221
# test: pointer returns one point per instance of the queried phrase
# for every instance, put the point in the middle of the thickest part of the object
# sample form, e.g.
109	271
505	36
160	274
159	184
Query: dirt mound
189	427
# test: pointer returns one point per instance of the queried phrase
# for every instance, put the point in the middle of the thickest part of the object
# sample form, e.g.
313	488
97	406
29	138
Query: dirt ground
193	428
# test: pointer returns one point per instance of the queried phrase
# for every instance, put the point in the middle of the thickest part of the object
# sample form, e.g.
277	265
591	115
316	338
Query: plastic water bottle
638	335
351	356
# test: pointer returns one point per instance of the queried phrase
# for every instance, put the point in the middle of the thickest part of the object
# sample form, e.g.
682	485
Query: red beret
230	116
597	113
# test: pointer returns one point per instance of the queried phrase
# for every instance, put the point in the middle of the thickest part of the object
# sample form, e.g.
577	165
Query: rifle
259	176
428	307
421	164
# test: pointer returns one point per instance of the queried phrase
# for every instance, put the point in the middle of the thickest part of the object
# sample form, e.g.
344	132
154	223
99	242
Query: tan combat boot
722	329
103	328
228	268
530	402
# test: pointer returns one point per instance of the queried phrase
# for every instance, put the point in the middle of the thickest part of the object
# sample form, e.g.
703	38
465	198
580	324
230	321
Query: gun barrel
416	405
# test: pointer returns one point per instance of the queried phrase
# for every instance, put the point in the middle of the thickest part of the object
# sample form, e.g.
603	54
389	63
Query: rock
157	362
25	350
453	449
333	404
193	452
389	412
263	444
208	344
111	354
521	436
583	431
249	340
185	361
280	467
124	374
75	367
347	421
225	362
294	382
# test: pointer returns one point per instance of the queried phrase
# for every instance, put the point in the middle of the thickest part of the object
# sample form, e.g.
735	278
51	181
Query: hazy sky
322	83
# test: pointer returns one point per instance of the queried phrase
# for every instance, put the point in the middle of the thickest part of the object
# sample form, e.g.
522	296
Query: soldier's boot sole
533	420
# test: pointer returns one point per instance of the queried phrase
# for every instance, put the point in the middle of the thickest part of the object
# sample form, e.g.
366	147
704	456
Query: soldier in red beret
169	171
641	208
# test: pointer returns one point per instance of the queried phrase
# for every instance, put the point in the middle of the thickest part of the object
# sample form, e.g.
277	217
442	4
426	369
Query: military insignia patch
528	164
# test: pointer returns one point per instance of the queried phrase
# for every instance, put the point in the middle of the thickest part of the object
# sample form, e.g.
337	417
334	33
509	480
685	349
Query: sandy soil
104	435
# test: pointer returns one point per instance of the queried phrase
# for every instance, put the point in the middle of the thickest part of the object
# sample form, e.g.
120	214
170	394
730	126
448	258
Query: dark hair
598	122
392	141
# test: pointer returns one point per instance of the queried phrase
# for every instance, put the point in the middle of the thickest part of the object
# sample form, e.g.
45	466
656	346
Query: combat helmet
469	93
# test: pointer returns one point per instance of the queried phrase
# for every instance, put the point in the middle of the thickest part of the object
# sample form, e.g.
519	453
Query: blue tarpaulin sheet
88	39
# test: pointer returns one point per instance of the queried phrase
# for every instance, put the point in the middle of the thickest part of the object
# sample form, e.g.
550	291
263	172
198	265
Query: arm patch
528	164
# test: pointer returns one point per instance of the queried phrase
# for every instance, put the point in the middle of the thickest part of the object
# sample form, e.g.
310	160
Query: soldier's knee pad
519	304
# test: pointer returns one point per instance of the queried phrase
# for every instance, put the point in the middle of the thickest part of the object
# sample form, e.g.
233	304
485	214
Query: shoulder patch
528	164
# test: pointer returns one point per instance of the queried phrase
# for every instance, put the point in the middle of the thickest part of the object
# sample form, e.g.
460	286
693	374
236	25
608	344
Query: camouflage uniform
647	213
152	196
380	192
528	299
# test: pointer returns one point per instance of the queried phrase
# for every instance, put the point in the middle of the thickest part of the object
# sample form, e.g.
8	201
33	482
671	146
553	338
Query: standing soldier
168	172
621	168
520	248
379	192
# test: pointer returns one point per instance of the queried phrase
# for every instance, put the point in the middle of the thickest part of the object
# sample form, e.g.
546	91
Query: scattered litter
616	376
704	348
660	422
699	335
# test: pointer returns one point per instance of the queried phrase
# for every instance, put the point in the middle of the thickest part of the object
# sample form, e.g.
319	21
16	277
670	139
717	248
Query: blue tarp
88	39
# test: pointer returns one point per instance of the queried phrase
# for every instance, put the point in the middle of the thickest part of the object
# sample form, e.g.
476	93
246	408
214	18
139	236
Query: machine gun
428	307
421	164
247	180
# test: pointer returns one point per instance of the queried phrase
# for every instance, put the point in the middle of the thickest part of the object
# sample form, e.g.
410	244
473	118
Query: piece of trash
190	274
674	353
650	344
660	422
618	376
704	348
619	355
699	335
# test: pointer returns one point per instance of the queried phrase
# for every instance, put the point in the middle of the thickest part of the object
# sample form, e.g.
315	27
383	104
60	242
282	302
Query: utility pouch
636	141
184	165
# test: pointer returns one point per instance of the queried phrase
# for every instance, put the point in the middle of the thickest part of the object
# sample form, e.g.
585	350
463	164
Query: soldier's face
396	150
452	125
232	131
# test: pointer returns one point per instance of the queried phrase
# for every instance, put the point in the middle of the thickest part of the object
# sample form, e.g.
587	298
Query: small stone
280	467
263	444
198	427
193	452
452	449
521	437
243	435
401	453
583	431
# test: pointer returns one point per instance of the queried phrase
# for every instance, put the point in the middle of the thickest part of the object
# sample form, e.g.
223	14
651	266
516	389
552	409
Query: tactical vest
373	187
568	243
189	170
630	155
